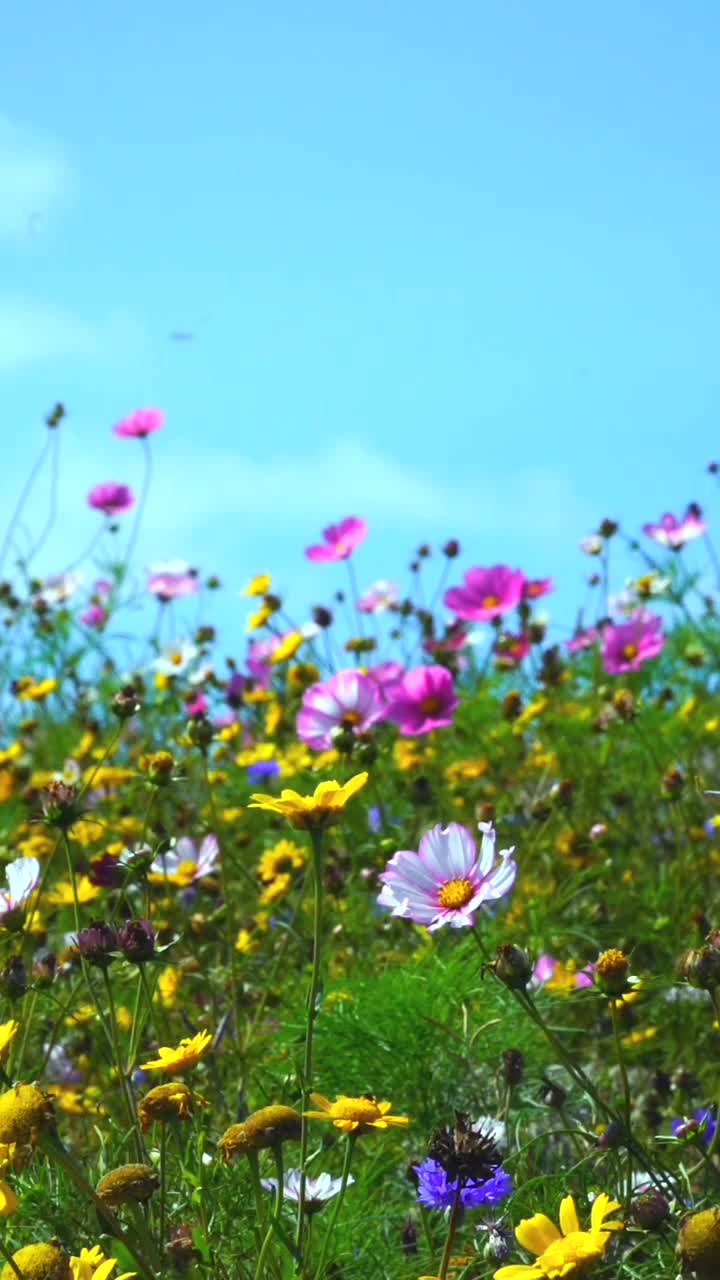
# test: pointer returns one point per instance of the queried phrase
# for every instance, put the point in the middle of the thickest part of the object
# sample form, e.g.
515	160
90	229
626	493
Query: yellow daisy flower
8	1032
257	586
319	810
355	1114
187	1054
93	1265
283	858
561	1254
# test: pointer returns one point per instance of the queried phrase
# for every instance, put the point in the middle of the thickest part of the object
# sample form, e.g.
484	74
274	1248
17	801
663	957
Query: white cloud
34	178
32	332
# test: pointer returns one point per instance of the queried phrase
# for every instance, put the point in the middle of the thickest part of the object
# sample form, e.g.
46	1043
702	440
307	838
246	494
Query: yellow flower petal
603	1206
569	1220
536	1234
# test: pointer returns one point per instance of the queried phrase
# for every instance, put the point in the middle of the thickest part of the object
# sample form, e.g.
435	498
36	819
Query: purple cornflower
437	1191
260	769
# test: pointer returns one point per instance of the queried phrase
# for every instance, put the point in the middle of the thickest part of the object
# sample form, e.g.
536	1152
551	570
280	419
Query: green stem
163	1192
349	1148
280	1174
122	1076
627	1101
452	1228
316	837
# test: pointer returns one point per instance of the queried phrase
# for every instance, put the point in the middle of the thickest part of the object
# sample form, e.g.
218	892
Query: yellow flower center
430	705
455	893
176	659
349	719
630	651
362	1110
580	1248
489	602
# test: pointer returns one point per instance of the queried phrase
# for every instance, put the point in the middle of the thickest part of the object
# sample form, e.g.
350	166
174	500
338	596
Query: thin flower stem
9	1259
316	837
122	1075
163	1195
349	1148
280	1174
229	917
24	495
147	478
627	1100
452	1228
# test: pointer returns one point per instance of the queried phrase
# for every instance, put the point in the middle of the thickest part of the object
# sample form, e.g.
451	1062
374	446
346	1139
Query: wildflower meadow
377	938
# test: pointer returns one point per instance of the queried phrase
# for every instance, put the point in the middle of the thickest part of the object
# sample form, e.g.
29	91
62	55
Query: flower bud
321	616
200	732
611	972
43	968
180	1247
98	943
552	1094
158	765
513	1066
268	1127
126	703
164	1103
13	978
451	548
611	1136
25	1113
130	1184
137	941
700	966
512	966
607	528
698	1246
511	705
60	805
649	1210
45	1261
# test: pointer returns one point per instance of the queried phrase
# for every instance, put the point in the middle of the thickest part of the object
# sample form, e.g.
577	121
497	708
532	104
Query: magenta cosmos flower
673	533
141	423
422	700
486	593
111	498
447	880
340	540
349	700
626	646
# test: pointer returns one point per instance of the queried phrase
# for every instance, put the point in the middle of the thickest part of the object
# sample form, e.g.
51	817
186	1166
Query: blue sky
451	267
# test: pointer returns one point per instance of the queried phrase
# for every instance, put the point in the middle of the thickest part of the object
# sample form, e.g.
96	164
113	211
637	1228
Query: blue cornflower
262	769
700	1116
437	1191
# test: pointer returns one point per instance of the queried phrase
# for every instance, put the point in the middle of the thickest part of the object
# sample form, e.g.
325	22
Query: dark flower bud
137	941
200	732
408	1239
423	551
662	1083
105	872
451	548
672	783
343	740
713	468
181	1249
360	644
272	601
321	616
55	416
611	1136
60	805
700	966
126	702
562	792
536	632
213	583
513	1066
624	704
552	1094
340	597
366	753
414	566
552	666
13	978
649	1210
420	791
607	528
43	968
512	966
98	943
511	705
686	1081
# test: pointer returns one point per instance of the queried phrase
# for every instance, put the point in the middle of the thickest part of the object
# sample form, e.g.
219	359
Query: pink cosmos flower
111	498
340	540
171	580
585	638
197	705
533	588
140	423
510	649
387	675
380	597
348	700
446	881
487	593
423	700
186	862
547	966
673	533
628	644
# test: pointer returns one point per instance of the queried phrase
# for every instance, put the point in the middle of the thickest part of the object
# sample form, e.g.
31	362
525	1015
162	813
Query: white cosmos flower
22	877
317	1190
176	658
